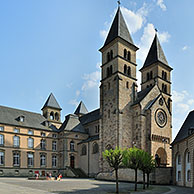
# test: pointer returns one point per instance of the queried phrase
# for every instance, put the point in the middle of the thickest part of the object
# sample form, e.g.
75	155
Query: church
39	143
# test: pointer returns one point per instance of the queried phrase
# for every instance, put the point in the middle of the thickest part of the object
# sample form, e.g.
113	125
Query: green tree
132	159
147	166
114	158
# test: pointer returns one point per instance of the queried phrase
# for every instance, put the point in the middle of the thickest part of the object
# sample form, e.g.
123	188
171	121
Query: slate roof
151	103
118	29
155	54
142	94
81	109
92	138
32	120
184	131
90	117
52	103
72	123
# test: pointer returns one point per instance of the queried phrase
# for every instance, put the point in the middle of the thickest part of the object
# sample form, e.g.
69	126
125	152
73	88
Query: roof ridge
17	109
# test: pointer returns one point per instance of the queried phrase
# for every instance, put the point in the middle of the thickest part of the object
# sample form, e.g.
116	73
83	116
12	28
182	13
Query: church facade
32	142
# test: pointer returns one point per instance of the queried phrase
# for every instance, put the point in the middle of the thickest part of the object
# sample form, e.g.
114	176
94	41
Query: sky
52	46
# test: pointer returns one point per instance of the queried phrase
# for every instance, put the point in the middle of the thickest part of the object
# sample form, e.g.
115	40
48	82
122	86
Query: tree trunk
148	181
135	179
117	182
143	180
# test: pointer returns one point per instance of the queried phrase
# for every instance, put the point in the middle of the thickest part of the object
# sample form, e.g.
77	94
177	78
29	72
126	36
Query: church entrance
72	161
161	157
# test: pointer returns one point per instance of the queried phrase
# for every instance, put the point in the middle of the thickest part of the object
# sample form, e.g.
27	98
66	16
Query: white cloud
147	38
185	48
164	37
91	80
183	102
133	19
74	102
190	101
77	93
178	96
161	4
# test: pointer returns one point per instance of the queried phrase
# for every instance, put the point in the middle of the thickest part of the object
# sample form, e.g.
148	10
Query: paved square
70	185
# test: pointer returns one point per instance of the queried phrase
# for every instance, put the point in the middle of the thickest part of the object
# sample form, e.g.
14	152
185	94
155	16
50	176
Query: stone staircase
78	172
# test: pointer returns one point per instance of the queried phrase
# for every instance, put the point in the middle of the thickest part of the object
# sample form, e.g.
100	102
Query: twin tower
130	118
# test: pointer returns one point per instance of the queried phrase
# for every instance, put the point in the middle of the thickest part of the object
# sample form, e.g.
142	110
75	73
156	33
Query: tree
114	158
147	165
132	159
150	166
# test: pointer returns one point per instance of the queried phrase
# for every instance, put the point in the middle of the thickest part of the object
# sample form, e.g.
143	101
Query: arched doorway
161	157
72	161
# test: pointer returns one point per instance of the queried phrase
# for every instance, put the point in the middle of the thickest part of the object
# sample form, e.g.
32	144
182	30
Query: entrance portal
72	161
161	157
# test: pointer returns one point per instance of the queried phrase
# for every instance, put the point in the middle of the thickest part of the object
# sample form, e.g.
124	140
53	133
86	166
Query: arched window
30	142
165	76
108	57
83	151
187	166
56	116
107	72
148	76
72	146
162	74
52	115
127	85
178	167
129	56
125	69
111	70
111	54
16	141
43	144
151	75
95	148
1	139
125	53
129	71
169	102
163	87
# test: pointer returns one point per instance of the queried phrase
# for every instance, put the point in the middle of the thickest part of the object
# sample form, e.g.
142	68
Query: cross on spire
119	2
156	30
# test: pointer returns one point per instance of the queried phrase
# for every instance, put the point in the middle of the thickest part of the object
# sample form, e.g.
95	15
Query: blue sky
52	46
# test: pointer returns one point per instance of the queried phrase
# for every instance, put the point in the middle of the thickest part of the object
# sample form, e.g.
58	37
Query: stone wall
159	176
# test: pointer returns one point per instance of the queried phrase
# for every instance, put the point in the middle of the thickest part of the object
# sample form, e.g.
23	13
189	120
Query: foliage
132	158
147	166
114	159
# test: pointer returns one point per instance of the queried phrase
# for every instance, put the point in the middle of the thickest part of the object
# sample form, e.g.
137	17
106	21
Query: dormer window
21	118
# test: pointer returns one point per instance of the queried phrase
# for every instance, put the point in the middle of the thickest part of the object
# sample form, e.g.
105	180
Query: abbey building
32	142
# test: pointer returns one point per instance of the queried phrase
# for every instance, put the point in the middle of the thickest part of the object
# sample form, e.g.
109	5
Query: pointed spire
155	54
52	103
118	29
81	109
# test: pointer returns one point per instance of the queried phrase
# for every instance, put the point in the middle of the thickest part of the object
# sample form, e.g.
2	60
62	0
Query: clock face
161	118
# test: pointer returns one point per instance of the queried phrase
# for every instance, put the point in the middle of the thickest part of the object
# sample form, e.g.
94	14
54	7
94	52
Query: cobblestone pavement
76	186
